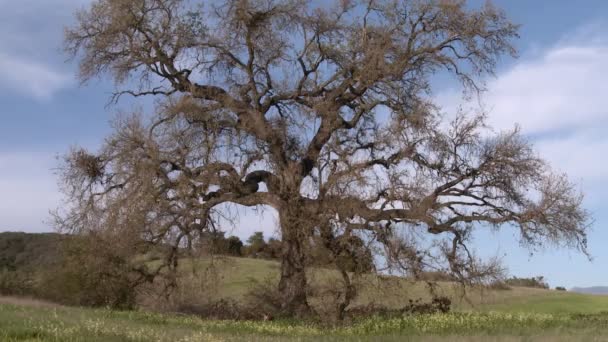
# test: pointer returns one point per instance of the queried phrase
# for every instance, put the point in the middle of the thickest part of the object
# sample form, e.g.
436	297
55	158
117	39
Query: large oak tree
322	112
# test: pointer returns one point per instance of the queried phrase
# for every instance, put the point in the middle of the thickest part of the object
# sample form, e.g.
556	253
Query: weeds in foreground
71	324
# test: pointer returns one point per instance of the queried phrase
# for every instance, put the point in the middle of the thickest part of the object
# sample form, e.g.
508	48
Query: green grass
235	277
555	303
519	314
28	323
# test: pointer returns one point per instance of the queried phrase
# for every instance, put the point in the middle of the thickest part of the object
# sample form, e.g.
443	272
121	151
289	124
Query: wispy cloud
564	89
30	77
559	98
30	39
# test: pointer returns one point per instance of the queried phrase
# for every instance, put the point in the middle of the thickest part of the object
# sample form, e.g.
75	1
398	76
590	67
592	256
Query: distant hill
594	290
237	276
24	250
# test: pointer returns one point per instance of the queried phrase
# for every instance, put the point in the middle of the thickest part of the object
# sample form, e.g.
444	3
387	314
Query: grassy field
552	302
519	314
235	277
31	322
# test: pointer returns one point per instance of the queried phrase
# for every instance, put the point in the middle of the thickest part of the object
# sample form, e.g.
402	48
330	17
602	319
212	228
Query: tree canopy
323	113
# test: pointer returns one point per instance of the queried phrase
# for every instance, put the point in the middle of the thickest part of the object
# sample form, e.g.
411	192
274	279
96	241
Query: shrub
234	246
16	283
535	282
264	299
255	245
435	276
195	294
221	309
560	288
499	285
190	292
89	274
439	304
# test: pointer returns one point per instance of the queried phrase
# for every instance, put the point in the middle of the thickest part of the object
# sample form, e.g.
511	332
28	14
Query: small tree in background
213	243
235	246
273	248
256	245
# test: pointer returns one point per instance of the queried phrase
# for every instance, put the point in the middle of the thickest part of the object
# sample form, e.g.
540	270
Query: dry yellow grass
30	302
228	277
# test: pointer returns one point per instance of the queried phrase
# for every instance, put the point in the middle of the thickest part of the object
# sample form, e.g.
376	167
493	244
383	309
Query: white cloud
563	89
578	155
31	77
30	40
560	100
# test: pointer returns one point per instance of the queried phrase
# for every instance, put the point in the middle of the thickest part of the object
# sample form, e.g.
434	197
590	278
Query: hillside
233	278
479	314
26	250
519	314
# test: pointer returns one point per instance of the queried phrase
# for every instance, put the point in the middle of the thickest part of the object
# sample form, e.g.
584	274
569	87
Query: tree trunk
349	294
293	285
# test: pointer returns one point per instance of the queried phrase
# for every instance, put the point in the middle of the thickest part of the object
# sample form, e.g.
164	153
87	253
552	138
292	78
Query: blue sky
556	91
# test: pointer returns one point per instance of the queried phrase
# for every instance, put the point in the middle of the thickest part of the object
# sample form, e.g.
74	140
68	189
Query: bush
16	283
439	304
195	294
234	246
71	270
23	251
560	288
22	257
255	245
435	276
264	299
499	285
89	274
535	282
191	292
87	286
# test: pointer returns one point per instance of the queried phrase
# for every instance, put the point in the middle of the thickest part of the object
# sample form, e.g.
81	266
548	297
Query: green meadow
36	322
518	314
